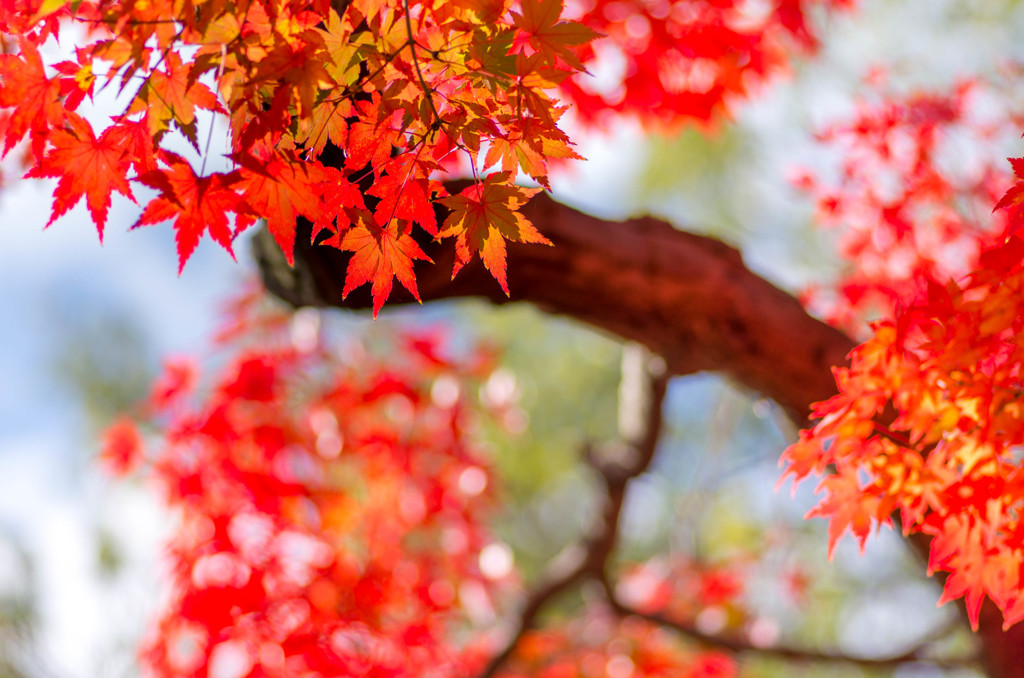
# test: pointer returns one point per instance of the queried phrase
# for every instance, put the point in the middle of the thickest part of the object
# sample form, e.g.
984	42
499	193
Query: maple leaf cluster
666	62
332	517
331	513
348	113
928	424
913	195
345	115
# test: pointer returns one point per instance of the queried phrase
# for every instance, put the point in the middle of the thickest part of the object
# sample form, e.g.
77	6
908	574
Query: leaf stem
416	64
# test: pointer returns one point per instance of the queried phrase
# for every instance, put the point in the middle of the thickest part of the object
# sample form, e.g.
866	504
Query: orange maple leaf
528	144
483	217
379	256
195	203
173	96
326	121
300	64
540	28
974	571
848	506
85	166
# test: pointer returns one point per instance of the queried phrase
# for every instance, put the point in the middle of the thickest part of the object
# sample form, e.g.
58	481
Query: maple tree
347	120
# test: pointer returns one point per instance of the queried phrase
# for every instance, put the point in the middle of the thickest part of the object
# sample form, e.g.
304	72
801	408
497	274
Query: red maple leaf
85	166
34	97
122	447
280	190
78	79
137	142
195	203
339	195
958	547
178	378
1013	200
405	192
371	137
379	256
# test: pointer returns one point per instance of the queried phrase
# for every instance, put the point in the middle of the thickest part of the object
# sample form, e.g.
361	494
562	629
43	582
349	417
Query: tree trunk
687	297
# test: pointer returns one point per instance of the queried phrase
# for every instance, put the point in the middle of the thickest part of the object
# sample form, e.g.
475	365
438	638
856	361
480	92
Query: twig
644	383
416	64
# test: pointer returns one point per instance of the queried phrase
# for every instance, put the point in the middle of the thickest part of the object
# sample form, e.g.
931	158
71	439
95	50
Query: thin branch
735	644
569	569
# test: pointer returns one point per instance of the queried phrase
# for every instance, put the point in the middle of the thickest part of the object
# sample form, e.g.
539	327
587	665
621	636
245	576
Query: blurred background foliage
708	500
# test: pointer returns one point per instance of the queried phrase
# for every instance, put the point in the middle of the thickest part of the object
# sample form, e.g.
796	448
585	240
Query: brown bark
687	297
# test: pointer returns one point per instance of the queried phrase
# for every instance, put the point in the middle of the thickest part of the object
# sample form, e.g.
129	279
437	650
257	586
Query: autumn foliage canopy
348	114
333	512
